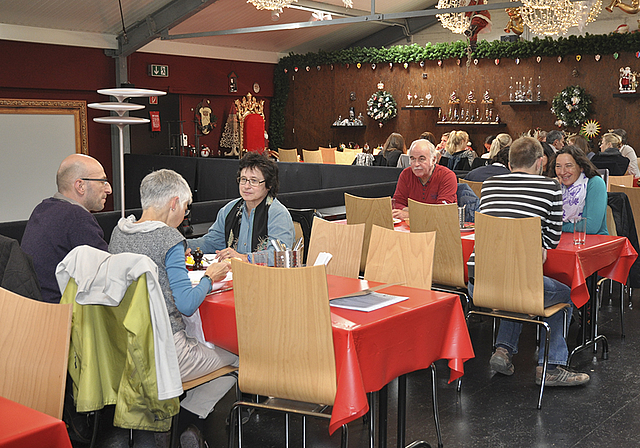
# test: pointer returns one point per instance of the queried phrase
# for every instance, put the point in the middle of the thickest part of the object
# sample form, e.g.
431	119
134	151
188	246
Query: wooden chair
625	181
310	156
369	211
345	157
252	124
34	352
328	155
401	257
302	222
508	274
448	261
288	155
299	327
343	242
475	186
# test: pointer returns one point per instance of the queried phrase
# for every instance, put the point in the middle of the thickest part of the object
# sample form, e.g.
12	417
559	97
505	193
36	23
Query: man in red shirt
424	180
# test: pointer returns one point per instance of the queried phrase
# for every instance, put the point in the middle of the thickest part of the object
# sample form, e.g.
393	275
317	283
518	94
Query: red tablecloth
610	256
23	427
371	348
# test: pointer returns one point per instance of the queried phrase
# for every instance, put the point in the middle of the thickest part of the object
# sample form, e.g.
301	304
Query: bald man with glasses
64	221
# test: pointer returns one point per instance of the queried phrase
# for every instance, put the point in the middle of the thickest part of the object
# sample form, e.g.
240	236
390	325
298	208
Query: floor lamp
120	107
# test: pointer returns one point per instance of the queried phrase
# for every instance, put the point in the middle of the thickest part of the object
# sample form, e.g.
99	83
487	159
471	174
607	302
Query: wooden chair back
328	155
343	242
475	186
369	211
633	194
625	181
401	257
288	155
611	223
508	265
345	157
283	316
34	352
311	156
448	261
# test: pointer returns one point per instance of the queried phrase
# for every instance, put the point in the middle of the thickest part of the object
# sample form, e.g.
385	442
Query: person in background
440	146
498	166
459	156
248	224
165	197
424	181
426	135
555	139
522	194
580	142
629	153
547	158
64	221
584	193
391	151
499	143
610	157
487	146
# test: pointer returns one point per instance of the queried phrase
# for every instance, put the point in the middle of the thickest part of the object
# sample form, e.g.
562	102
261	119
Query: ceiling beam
391	35
372	18
150	28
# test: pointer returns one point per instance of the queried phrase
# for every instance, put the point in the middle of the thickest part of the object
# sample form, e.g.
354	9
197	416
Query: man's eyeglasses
105	182
252	182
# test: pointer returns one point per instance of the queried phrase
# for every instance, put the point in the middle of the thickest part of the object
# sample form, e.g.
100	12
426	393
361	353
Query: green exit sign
159	70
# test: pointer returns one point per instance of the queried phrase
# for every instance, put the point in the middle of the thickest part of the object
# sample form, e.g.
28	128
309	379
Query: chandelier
457	22
277	5
548	17
272	5
587	11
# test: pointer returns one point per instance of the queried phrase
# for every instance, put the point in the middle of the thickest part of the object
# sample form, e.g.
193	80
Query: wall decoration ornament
206	122
572	106
515	22
628	82
590	129
632	8
381	106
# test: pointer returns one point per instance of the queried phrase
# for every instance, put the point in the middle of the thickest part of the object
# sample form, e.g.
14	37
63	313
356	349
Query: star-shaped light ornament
590	129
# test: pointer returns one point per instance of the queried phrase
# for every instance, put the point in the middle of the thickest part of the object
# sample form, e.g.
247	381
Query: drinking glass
579	231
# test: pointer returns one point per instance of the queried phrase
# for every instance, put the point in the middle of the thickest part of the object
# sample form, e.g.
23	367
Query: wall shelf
419	107
523	103
626	95
360	126
464	124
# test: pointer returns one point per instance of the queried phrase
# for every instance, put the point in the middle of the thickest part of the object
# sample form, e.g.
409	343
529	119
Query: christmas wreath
382	107
571	106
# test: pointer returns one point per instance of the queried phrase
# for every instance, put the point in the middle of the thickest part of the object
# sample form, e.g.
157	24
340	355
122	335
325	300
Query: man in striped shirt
525	193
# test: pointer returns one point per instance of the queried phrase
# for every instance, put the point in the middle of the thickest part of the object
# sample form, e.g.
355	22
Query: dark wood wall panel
317	97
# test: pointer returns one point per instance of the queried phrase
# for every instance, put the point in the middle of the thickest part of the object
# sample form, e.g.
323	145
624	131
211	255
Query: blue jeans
509	332
467	197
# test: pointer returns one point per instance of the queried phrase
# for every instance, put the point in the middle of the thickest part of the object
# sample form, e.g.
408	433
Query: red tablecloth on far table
23	427
610	256
373	348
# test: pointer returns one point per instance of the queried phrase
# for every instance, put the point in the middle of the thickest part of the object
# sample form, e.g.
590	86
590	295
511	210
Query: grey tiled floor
491	411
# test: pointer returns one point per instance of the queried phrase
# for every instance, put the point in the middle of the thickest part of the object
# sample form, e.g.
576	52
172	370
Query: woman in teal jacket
584	193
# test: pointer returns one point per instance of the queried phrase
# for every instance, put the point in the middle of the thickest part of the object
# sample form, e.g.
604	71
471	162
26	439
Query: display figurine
628	80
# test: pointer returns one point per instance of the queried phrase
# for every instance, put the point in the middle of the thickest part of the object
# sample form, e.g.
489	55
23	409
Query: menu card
367	302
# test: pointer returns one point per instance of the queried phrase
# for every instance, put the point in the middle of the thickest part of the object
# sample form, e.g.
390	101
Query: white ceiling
96	23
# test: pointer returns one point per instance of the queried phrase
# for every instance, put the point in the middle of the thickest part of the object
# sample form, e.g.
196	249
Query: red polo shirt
441	188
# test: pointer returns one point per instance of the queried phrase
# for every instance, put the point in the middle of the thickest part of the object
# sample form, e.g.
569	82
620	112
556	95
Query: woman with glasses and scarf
248	224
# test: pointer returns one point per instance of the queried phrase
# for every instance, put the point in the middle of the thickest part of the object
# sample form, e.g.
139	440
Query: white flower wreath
382	107
571	106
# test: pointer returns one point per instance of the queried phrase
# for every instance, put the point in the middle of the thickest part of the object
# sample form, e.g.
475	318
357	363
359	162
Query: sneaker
561	376
192	438
501	361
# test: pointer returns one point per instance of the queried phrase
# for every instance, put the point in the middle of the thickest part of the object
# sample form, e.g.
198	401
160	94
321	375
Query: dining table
371	348
23	427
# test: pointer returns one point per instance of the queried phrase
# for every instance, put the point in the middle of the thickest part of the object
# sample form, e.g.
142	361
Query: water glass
579	231
259	258
461	216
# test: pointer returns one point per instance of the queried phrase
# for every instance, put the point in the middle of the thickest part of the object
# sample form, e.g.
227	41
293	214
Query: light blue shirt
187	297
279	227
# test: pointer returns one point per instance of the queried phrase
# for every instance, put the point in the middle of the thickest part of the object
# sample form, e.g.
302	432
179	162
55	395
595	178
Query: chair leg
544	362
344	440
96	424
174	430
131	438
286	429
623	289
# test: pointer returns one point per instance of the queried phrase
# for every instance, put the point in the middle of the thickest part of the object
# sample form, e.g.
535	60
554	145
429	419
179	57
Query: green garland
572	106
588	44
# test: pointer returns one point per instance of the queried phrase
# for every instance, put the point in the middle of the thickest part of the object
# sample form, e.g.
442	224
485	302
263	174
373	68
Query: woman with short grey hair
165	196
